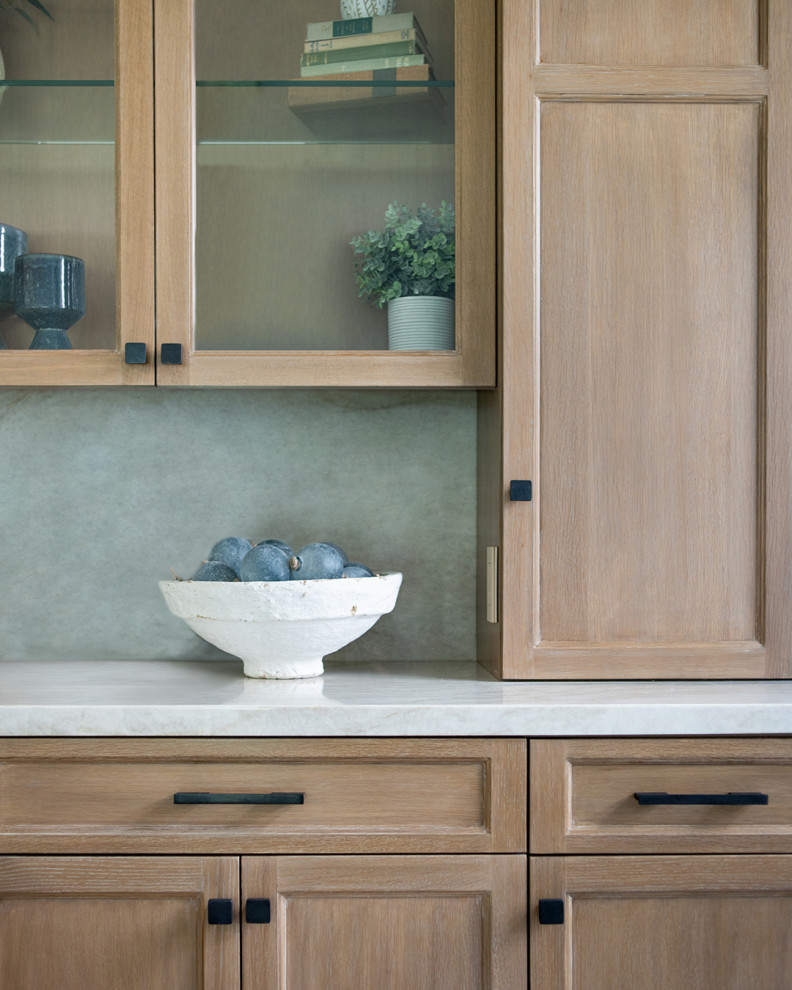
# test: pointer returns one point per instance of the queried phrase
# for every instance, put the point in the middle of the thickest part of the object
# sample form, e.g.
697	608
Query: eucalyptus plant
20	7
414	255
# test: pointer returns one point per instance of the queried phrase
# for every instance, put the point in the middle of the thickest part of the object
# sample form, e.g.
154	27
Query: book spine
319	30
389	62
360	40
370	51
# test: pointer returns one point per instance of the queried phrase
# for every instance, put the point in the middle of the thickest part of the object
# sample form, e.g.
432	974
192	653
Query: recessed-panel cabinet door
384	923
647	355
96	923
661	922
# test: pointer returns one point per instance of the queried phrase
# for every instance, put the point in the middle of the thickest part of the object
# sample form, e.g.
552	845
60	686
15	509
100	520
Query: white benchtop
186	698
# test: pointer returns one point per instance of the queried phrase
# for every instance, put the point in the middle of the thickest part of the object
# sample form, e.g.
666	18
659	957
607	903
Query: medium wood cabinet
91	922
390	905
646	372
654	862
670	922
302	922
386	922
237	269
77	159
606	914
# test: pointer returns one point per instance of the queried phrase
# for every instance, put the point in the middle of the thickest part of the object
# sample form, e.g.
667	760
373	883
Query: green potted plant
409	266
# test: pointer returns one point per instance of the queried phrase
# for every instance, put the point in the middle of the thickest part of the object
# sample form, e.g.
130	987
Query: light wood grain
419	923
649	377
663	922
656	32
135	257
650	416
511	415
117	796
777	208
582	795
572	82
80	922
174	131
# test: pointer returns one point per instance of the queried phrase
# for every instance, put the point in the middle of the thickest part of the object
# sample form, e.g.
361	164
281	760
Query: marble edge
453	720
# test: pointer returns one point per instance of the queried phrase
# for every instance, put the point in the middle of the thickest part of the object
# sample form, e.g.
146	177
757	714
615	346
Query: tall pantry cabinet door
384	923
647	373
661	922
81	923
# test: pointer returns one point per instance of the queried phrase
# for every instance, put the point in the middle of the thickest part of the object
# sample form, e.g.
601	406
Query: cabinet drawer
717	795
270	796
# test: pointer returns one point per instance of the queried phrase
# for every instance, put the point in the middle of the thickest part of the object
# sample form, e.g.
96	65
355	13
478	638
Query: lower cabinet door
384	923
117	923
661	922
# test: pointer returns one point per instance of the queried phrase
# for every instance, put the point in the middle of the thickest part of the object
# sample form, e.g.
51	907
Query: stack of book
334	49
341	57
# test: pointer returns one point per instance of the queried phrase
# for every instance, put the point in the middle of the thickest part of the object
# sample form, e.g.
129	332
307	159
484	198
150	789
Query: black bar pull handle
732	797
205	797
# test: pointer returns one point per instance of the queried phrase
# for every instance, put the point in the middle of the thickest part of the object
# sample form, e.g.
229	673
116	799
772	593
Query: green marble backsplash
102	491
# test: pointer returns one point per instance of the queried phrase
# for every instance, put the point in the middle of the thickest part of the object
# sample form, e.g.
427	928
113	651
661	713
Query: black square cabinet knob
551	912
220	911
135	353
171	354
257	911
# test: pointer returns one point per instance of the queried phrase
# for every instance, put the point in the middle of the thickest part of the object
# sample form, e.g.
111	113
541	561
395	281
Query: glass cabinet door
284	132
76	159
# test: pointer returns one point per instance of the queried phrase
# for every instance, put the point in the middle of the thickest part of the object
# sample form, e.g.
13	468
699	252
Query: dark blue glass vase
49	295
13	242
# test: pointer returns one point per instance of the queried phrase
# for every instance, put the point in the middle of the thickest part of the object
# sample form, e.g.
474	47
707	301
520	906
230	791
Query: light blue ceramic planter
421	323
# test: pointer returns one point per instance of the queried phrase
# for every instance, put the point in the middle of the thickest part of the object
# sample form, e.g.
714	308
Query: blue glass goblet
49	295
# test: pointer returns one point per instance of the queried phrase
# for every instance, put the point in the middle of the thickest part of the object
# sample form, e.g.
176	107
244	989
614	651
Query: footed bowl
282	629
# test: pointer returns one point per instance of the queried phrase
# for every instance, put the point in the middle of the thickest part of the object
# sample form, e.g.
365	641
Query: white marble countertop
186	698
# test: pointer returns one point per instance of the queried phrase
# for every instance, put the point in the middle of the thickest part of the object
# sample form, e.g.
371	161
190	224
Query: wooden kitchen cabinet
663	922
646	368
256	204
77	160
302	922
386	922
610	906
91	922
421	884
256	201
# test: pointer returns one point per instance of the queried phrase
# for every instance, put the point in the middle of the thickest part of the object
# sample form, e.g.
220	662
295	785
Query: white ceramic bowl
282	628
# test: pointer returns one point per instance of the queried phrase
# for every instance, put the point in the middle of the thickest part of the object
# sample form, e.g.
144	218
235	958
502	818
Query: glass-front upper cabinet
325	190
76	196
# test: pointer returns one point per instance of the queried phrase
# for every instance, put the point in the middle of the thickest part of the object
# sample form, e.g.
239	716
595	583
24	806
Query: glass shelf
309	111
57	148
57	111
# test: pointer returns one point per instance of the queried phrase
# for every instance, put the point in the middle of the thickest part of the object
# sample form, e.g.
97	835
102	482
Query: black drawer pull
733	797
204	797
